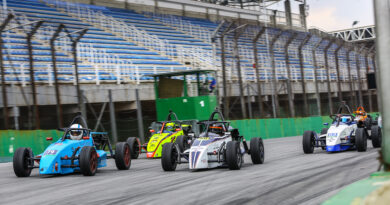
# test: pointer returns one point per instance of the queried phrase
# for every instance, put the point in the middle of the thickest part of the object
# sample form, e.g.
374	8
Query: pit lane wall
10	140
279	127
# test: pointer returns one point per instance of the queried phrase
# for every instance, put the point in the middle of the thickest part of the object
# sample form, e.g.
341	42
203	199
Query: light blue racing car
78	150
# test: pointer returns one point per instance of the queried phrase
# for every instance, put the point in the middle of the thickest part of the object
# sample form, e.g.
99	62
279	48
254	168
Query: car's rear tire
182	142
257	150
233	155
368	122
376	136
169	157
88	161
134	147
22	161
308	142
122	156
361	139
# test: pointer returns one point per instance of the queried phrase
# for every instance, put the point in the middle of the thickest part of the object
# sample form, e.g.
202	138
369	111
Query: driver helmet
170	127
217	129
76	134
345	119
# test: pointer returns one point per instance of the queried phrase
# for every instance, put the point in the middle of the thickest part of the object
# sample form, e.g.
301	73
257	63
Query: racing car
170	130
343	134
362	118
217	146
78	150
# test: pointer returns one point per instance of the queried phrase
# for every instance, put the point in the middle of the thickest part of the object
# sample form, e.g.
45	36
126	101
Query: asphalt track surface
287	177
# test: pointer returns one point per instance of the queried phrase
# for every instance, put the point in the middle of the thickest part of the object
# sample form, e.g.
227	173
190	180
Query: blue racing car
78	150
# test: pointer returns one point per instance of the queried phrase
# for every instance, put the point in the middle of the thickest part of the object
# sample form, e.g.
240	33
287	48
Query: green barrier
279	127
10	140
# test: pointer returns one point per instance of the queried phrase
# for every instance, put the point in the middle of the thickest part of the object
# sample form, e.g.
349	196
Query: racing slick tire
257	150
361	139
233	155
376	136
134	147
182	142
122	156
88	161
22	162
308	142
169	157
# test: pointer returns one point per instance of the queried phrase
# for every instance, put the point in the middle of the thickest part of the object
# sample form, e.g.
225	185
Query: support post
75	41
32	75
336	53
3	84
302	13
369	92
290	92
357	56
139	117
112	117
351	84
330	101
256	65
302	70
249	102
56	85
237	35
223	64
287	8
382	16
275	97
318	96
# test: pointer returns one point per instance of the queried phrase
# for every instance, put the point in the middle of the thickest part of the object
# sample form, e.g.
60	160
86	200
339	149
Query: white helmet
76	134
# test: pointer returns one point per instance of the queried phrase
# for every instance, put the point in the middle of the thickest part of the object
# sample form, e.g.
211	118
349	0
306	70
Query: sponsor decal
58	143
50	152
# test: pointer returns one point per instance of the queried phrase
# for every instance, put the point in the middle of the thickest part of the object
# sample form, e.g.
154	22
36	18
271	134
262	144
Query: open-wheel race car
217	146
343	134
362	118
168	131
78	150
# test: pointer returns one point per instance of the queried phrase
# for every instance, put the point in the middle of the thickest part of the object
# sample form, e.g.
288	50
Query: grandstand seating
106	54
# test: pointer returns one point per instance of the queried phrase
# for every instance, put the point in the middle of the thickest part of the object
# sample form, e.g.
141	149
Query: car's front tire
22	162
257	150
169	157
88	161
122	156
182	142
233	155
376	136
134	147
361	139
308	142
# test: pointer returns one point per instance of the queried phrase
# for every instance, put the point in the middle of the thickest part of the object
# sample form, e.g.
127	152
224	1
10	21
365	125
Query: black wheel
134	147
361	140
257	150
169	157
88	161
308	142
182	142
122	156
22	162
233	155
368	122
376	136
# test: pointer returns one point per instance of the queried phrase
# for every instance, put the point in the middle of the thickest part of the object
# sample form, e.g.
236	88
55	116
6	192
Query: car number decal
50	152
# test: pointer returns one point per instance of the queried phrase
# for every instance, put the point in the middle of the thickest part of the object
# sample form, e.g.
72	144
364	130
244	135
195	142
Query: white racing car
217	146
343	134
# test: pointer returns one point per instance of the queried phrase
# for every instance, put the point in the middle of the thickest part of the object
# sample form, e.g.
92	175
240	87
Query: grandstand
123	46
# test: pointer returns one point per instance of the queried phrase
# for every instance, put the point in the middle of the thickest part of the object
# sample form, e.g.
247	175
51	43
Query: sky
331	15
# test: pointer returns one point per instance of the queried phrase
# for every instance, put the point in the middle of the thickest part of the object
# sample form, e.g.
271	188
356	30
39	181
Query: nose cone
47	164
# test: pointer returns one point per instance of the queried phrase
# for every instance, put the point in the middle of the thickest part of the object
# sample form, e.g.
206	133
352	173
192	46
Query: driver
217	129
76	134
346	119
170	126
